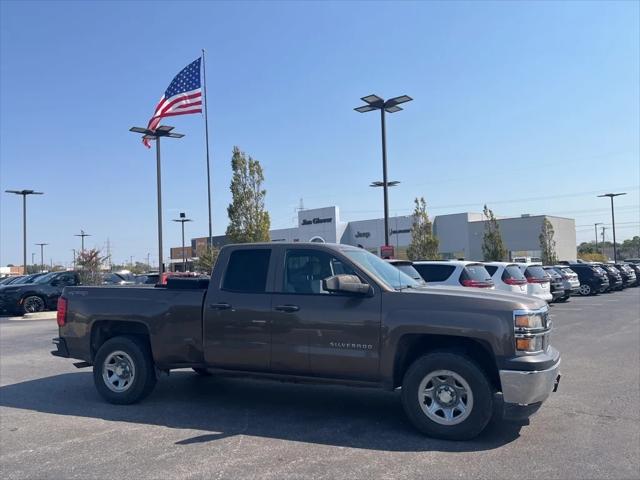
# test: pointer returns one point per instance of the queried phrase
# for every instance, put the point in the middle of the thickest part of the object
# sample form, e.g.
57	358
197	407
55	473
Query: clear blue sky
513	100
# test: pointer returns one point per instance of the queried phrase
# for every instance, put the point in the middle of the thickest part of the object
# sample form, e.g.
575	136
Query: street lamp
183	218
595	226
161	131
390	106
82	235
42	254
24	194
613	223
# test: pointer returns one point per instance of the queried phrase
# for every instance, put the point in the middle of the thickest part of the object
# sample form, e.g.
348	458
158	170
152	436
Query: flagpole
206	133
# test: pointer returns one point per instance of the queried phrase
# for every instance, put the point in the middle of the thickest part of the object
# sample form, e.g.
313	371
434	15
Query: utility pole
149	260
42	254
183	218
595	226
82	235
603	229
613	222
74	258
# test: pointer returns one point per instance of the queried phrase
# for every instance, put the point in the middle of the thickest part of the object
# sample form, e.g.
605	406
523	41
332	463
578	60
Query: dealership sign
316	220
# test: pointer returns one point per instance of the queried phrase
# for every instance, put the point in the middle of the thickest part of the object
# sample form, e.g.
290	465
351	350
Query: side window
434	273
306	269
491	269
67	279
247	271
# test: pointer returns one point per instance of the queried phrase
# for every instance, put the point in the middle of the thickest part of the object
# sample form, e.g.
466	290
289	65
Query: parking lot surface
54	425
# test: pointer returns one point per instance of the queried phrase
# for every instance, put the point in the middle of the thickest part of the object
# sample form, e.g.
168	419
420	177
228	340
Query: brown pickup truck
321	313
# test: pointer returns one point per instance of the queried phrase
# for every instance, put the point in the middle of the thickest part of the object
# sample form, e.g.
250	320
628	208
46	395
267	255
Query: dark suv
40	295
615	279
627	273
592	278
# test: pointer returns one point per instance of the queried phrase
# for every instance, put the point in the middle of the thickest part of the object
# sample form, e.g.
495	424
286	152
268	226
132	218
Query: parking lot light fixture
183	219
161	131
24	194
613	223
374	102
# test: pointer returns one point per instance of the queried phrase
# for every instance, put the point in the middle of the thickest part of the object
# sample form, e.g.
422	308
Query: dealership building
460	235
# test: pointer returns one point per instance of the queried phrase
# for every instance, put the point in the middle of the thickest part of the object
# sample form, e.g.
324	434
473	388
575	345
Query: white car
507	277
454	273
538	281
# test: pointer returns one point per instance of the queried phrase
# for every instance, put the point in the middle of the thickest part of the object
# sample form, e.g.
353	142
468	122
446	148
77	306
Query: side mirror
346	284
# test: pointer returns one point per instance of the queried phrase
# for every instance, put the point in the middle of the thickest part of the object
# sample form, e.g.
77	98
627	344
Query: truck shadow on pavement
225	407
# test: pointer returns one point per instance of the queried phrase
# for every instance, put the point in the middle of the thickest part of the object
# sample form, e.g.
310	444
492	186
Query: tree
547	243
207	257
493	248
424	244
592	257
89	263
248	220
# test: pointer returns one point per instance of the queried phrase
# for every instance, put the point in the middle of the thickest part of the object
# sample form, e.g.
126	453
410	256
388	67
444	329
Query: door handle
287	308
219	306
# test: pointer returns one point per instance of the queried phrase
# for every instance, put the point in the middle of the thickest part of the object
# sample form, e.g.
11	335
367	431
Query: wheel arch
412	346
103	330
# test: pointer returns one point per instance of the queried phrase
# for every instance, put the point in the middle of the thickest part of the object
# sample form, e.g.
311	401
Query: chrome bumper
525	388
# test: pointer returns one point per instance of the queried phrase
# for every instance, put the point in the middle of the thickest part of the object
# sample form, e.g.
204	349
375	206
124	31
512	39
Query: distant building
460	235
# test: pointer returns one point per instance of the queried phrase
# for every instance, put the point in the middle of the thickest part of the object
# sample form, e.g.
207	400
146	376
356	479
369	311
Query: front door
238	312
319	333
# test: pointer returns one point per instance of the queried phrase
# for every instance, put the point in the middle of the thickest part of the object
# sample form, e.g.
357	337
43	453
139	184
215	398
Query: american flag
182	97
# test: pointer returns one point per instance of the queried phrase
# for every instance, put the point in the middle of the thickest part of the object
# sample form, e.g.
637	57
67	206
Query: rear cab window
247	271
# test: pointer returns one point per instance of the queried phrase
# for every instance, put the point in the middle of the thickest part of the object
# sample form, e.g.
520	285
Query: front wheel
447	396
33	304
123	370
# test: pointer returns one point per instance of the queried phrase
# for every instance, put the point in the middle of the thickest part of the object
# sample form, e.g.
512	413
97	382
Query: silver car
569	278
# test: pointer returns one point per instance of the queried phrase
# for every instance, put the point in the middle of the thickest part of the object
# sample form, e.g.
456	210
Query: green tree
424	244
248	220
493	248
547	243
207	257
630	247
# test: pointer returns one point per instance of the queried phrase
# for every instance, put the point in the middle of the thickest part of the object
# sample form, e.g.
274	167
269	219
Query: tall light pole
74	258
161	131
374	102
82	235
42	254
613	222
595	226
183	219
24	194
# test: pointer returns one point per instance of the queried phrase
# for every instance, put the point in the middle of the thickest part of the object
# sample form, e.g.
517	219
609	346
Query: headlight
530	321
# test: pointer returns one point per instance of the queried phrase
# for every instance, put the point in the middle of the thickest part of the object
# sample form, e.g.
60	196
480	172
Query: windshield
383	271
600	270
45	278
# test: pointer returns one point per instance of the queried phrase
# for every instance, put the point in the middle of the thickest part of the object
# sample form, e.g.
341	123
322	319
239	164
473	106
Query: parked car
507	276
42	294
406	266
112	278
569	278
592	279
613	274
9	279
454	273
635	261
557	285
627	273
538	281
147	278
320	313
636	268
22	279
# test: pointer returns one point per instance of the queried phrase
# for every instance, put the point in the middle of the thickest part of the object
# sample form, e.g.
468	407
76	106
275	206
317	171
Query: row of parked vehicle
552	283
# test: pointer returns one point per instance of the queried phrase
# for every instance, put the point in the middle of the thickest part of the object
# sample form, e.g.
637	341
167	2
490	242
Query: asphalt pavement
54	425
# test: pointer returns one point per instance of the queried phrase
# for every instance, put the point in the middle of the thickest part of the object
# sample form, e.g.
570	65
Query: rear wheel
447	396
33	304
123	370
585	289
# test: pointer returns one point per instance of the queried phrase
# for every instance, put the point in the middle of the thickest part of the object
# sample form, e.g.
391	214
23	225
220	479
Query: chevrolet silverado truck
311	312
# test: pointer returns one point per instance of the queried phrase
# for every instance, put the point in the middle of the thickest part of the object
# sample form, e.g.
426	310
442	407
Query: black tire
563	299
482	394
144	378
202	372
586	290
33	304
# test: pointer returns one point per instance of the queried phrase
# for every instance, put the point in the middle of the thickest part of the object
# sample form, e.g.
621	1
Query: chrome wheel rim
118	371
585	289
445	397
33	304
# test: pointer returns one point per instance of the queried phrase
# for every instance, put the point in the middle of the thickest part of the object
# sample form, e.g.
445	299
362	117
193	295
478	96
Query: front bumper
528	387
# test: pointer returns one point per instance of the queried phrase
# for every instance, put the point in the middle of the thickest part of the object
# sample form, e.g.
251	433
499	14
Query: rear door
237	310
